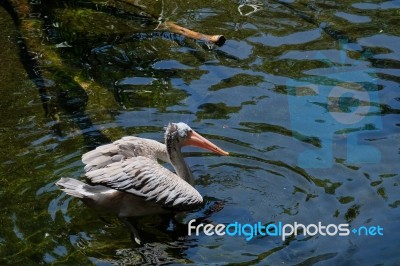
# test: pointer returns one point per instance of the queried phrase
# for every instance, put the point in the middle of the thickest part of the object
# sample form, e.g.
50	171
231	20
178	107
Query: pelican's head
180	134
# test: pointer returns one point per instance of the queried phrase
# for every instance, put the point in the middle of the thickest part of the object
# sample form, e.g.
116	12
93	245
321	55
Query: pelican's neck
179	164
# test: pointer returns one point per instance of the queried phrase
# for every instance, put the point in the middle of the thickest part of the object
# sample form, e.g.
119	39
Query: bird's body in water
127	179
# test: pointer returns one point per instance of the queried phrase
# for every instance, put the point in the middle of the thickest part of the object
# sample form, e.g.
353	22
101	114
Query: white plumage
126	178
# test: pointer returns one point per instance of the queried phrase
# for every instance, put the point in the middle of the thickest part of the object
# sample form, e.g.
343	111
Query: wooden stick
175	28
216	39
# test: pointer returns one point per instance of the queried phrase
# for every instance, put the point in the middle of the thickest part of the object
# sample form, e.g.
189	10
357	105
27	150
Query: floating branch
170	26
174	28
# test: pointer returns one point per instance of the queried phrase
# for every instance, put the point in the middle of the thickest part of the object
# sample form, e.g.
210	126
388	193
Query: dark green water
305	95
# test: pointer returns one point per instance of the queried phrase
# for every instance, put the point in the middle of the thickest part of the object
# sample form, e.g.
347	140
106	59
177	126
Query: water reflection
265	96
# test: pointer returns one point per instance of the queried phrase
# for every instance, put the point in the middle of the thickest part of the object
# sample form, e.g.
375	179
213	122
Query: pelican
125	176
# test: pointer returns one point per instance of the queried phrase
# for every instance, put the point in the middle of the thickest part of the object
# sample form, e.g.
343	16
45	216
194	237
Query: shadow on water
69	95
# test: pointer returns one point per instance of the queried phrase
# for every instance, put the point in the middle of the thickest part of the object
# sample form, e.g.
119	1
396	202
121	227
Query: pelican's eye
188	133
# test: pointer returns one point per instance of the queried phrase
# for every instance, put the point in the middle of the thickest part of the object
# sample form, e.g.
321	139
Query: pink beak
197	140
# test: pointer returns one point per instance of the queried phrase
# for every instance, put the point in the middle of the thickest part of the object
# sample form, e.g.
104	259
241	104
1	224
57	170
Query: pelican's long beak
197	140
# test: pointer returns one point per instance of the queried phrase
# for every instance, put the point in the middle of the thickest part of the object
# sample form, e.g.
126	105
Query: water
304	95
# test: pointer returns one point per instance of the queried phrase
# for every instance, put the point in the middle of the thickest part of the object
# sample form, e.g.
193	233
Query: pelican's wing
122	149
144	177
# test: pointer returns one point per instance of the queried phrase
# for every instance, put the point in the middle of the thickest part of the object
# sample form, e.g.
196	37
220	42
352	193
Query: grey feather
122	149
144	177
